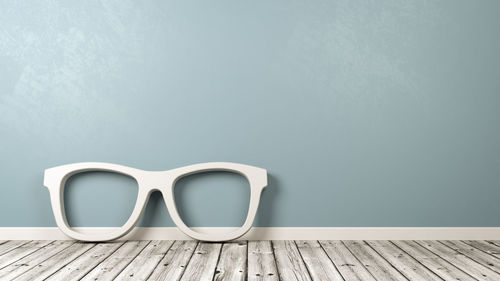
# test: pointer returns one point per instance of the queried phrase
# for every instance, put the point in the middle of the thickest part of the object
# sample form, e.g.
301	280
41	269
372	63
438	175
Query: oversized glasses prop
149	181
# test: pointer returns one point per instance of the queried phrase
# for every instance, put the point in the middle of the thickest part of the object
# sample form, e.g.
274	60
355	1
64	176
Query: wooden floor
252	260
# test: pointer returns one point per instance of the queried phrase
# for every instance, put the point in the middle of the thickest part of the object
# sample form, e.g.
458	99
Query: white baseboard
276	233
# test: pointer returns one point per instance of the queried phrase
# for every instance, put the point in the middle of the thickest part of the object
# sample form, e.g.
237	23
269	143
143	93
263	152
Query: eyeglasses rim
55	179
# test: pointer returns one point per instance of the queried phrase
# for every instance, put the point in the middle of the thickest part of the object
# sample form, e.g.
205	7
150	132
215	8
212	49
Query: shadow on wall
267	202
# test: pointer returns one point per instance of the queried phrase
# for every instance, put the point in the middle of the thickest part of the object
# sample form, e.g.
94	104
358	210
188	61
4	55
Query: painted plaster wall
365	113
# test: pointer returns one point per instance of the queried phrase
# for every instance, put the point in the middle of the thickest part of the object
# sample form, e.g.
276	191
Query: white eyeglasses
149	181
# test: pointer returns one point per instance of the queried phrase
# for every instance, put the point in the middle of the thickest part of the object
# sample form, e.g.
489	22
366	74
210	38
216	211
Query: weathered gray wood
349	266
232	263
405	264
459	260
85	263
485	246
144	264
203	262
477	255
116	262
495	242
54	263
373	262
441	267
279	260
289	262
261	262
10	245
21	251
32	260
173	264
317	261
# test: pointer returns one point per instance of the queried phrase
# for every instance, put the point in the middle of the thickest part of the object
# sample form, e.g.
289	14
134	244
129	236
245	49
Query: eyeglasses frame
148	181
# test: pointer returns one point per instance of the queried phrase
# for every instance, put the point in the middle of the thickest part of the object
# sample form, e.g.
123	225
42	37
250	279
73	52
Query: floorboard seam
123	268
274	259
467	256
70	262
400	272
34	266
302	258
360	262
110	254
390	241
189	260
494	242
336	267
470	245
218	259
22	257
441	257
159	261
15	247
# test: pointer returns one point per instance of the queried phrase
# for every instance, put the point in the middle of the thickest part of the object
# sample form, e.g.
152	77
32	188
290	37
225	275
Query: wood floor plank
22	251
85	263
373	262
261	262
173	264
289	261
54	263
485	246
10	245
253	260
232	263
477	255
495	242
460	260
439	266
116	262
399	259
349	266
144	264
203	262
317	261
32	260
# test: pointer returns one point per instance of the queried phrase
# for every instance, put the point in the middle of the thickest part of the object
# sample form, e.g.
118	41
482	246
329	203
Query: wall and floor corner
379	114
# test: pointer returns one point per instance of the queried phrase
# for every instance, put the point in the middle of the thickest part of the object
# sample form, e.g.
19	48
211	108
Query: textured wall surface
365	113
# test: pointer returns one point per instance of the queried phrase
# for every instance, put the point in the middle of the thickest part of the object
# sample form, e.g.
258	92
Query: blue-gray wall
365	113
